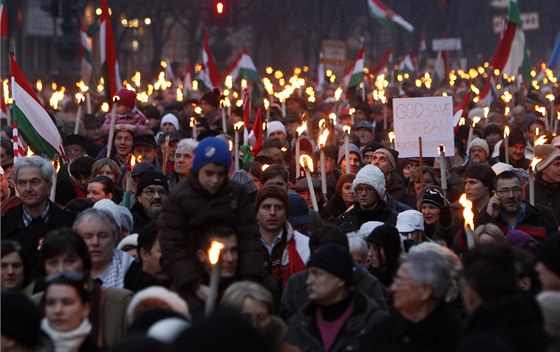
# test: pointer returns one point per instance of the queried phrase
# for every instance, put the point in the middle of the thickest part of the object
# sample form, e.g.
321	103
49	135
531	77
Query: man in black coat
30	221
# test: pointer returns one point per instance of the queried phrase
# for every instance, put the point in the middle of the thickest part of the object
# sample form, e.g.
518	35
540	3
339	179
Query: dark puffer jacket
190	207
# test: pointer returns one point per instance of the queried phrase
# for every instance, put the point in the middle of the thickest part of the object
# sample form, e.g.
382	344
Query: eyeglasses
505	191
150	192
366	189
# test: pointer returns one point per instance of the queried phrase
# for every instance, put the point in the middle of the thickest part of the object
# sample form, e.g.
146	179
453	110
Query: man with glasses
507	210
151	192
369	187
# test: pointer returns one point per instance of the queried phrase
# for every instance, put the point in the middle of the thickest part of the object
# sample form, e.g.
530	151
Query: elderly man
508	211
547	181
151	192
424	321
386	160
184	155
502	316
28	222
369	187
337	317
478	151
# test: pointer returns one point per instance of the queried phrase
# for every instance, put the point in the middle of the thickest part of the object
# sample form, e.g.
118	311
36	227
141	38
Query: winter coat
363	321
295	294
190	207
355	216
399	191
512	323
548	195
135	118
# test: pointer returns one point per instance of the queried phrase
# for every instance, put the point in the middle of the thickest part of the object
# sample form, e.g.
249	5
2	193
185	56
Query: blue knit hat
211	150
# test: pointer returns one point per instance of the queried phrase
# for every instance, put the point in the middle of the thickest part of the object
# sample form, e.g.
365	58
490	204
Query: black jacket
356	216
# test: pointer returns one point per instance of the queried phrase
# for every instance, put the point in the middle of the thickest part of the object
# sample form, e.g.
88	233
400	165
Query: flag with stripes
86	56
108	53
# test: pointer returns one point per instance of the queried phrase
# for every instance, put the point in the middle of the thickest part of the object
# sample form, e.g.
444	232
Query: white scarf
67	341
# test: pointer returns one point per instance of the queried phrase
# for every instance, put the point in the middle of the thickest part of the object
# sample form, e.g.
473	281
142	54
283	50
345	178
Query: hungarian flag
243	67
208	75
86	55
388	18
108	53
378	68
3	19
256	136
441	66
187	82
422	53
246	114
510	54
357	74
34	123
407	65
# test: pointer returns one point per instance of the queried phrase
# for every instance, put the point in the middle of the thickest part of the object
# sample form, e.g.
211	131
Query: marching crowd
375	255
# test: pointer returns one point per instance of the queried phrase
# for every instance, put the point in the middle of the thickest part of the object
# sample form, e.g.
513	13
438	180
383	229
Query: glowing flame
391	136
105	107
468	214
264	167
29	152
541	140
6	91
266	103
82	86
486	111
238	125
56	164
162	83
475	120
229	82
550	97
214	252
322	123
57	97
198	110
506	97
301	128
101	85
136	79
193	122
306	162
540	109
475	89
332	117
323	138
80	98
337	94
179	94
534	163
346	129
506	131
39	85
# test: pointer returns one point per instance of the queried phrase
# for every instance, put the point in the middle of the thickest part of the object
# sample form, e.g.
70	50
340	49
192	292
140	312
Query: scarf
114	274
67	341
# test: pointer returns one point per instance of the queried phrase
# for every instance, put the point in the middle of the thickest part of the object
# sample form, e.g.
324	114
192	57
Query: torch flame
550	97
82	86
301	128
475	120
506	131
39	85
323	139
80	98
238	125
540	109
462	121
214	252
136	79
105	107
193	122
116	99
322	123
468	214
534	163
332	116
541	140
29	152
391	136
306	162
56	164
486	111
264	167
346	129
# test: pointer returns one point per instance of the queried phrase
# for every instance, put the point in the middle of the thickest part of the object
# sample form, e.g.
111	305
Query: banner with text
430	118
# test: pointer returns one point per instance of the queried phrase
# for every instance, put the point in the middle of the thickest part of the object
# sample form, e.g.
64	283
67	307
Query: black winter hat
334	259
387	236
149	178
21	319
434	197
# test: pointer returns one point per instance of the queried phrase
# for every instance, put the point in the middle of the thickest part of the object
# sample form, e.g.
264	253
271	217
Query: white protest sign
430	118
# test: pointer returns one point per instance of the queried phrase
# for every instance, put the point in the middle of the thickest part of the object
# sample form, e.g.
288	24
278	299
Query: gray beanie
479	142
372	176
353	149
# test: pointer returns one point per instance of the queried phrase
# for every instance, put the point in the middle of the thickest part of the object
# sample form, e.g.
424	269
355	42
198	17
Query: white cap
410	220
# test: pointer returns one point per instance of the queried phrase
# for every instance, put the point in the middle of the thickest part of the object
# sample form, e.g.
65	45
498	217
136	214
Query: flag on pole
407	65
187	82
357	75
208	75
86	56
376	70
510	53
554	60
3	19
441	66
388	18
422	53
256	136
35	124
243	67
19	150
108	53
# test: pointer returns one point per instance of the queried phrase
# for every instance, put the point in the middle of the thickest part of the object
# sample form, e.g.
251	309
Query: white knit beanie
274	126
479	142
170	118
173	300
372	176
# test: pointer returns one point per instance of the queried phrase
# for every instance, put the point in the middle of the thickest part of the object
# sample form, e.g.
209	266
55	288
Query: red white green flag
108	53
34	123
3	19
209	75
85	55
187	82
388	18
243	67
510	53
357	75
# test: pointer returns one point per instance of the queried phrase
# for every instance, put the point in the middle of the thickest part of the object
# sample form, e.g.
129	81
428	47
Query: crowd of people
377	256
